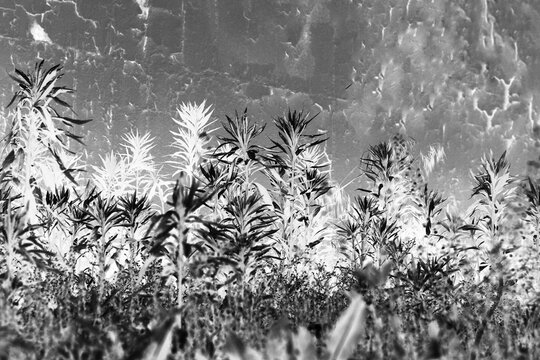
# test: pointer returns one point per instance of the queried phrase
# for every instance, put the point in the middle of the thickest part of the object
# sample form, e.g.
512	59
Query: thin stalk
356	257
132	276
102	259
292	196
101	277
180	267
10	239
246	171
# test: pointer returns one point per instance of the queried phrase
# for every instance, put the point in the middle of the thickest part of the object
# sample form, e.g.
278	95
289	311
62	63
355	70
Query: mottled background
461	73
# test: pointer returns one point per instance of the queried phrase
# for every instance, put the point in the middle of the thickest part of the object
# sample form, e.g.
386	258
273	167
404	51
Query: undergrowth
255	251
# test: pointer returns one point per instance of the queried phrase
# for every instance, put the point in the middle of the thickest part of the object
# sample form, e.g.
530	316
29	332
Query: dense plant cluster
253	251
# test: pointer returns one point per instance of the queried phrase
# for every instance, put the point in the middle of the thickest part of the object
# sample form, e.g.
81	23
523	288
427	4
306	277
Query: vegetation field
252	250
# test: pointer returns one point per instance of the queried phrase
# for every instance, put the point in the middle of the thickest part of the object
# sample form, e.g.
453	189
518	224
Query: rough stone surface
433	70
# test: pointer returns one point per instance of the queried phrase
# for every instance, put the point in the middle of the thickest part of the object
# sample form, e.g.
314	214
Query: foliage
356	227
133	170
230	265
248	230
296	172
494	189
192	138
239	146
173	230
36	148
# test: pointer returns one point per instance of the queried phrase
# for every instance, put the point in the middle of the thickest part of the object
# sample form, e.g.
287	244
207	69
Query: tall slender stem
180	266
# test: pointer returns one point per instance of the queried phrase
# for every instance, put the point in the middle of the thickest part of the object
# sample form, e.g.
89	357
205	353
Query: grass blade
348	330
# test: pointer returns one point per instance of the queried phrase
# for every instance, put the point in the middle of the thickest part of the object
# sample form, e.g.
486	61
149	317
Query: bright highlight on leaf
192	138
349	329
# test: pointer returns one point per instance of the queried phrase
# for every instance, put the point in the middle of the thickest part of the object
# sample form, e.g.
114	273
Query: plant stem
133	275
101	277
179	267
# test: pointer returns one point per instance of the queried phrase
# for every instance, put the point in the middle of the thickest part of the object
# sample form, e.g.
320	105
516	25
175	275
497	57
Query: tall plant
292	144
54	219
139	159
111	178
133	170
102	216
355	229
387	168
248	226
219	177
20	245
494	189
173	232
314	182
135	212
36	146
296	176
192	138
238	148
430	206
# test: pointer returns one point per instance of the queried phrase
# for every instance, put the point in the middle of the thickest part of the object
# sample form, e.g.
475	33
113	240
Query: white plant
35	148
134	169
192	138
110	178
138	149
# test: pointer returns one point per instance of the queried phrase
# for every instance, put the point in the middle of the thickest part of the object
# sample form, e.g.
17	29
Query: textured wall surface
460	73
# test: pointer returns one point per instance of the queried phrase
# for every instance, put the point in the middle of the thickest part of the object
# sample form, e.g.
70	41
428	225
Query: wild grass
254	251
